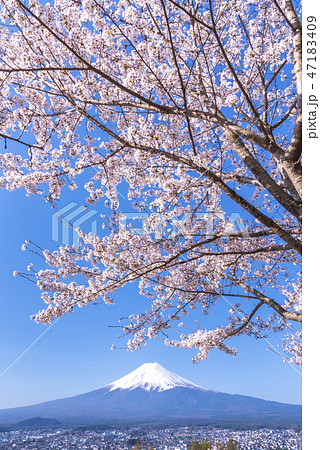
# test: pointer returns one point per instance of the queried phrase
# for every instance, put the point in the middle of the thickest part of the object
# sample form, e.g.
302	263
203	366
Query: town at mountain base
153	394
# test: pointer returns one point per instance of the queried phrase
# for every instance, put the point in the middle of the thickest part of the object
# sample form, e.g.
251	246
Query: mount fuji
153	394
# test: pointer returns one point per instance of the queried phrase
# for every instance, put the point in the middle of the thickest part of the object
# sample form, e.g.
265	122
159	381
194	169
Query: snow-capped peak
150	377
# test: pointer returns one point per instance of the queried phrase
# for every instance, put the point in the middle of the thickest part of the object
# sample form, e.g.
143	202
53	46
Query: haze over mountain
152	393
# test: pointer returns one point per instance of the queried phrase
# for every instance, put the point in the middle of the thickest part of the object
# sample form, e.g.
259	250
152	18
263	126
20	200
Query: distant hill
153	394
37	422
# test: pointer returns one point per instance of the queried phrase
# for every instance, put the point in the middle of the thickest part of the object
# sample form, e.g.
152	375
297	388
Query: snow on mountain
152	377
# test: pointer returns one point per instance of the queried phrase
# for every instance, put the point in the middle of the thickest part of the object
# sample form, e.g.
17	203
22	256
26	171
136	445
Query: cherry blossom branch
292	157
267	221
232	70
289	315
41	69
89	65
265	143
10	138
247	320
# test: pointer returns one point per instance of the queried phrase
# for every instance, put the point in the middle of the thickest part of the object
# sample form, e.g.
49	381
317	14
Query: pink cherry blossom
196	108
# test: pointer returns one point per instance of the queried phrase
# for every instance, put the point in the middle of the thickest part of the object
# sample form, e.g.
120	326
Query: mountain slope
151	394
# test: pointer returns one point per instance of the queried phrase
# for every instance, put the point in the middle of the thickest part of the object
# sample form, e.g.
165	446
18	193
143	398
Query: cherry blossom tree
195	108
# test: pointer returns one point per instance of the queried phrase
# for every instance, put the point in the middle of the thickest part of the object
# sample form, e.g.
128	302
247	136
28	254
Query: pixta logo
208	225
68	219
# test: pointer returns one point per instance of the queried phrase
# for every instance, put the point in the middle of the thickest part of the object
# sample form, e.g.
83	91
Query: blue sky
74	356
